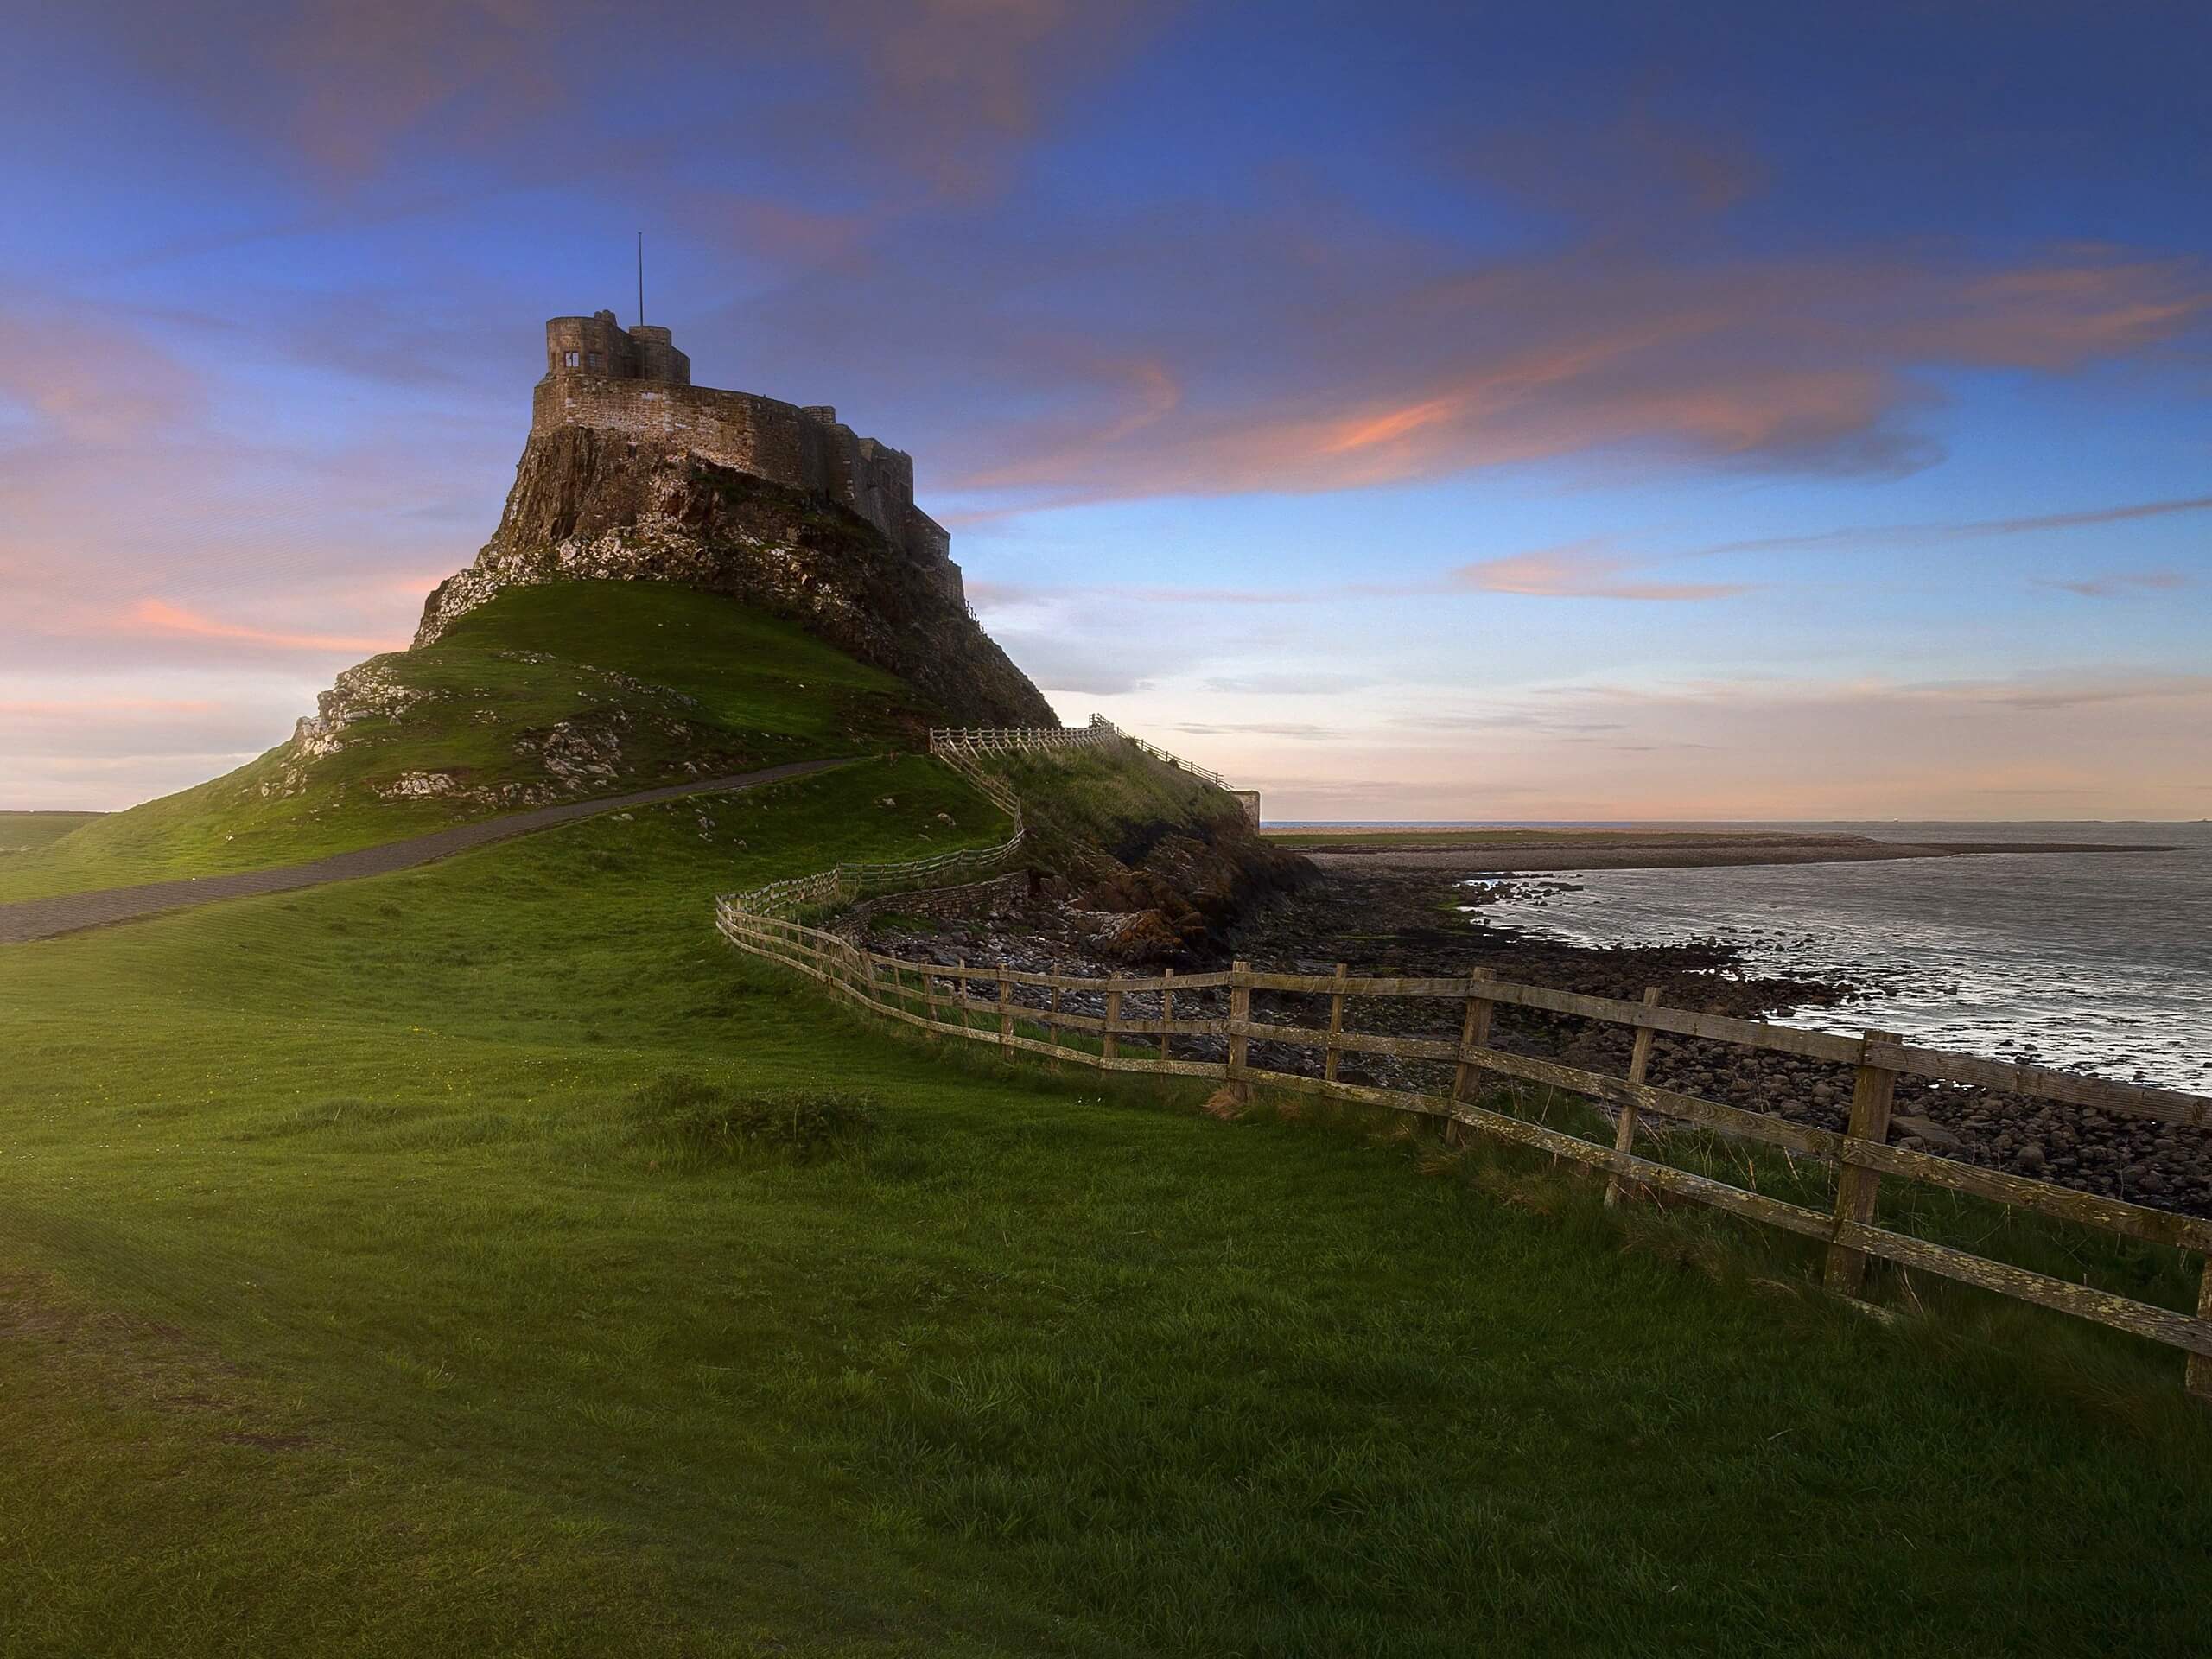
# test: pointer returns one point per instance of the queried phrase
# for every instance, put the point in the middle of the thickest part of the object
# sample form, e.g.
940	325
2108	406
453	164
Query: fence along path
959	748
1029	1012
948	742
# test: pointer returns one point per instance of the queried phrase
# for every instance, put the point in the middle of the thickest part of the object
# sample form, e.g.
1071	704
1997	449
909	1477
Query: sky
1478	411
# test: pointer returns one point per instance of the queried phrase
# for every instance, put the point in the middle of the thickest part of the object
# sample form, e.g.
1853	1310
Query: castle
635	382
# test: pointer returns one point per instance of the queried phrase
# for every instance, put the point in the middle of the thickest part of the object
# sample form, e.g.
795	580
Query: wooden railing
985	739
846	883
972	740
1205	774
1016	1007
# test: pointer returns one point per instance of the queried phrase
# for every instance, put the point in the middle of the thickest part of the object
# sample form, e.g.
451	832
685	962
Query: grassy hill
1115	796
369	1286
556	692
24	832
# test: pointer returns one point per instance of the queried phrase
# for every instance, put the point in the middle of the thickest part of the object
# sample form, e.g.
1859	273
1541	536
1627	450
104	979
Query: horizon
1465	823
1793	432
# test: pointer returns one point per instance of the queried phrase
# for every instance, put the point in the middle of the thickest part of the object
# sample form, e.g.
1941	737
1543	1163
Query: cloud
1290	685
1420	364
1506	720
1058	662
2059	691
2114	742
1577	573
88	376
955	88
104	739
1968	529
942	93
93	709
1640	168
1571	572
2127	582
159	616
1256	729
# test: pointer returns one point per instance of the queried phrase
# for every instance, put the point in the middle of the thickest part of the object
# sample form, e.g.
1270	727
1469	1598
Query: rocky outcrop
1175	897
375	705
588	504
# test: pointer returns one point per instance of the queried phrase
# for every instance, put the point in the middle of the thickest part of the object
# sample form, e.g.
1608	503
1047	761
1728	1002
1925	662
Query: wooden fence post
1474	1033
1166	1012
1006	1009
1332	1054
1239	1014
1855	1188
1107	1048
1053	1023
960	990
1639	1062
2199	1377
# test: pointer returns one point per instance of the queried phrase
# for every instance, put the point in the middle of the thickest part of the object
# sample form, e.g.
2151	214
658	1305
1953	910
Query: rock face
594	504
1173	899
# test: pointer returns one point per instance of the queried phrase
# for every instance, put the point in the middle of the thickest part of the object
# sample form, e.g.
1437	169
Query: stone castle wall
635	382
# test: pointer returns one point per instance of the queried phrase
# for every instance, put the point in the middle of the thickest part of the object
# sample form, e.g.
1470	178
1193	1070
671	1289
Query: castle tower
633	381
598	345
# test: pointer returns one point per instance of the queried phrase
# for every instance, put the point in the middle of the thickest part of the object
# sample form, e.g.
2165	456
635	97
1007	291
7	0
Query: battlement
634	381
599	344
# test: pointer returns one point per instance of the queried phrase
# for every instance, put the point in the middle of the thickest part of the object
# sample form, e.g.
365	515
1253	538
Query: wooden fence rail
1031	1012
948	742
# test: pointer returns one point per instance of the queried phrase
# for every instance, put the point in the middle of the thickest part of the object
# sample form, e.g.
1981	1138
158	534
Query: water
2098	962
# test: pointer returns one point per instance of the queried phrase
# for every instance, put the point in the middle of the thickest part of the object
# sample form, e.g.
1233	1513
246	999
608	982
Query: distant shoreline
1521	850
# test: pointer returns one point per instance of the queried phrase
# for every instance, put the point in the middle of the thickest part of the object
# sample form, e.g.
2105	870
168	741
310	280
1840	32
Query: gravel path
42	918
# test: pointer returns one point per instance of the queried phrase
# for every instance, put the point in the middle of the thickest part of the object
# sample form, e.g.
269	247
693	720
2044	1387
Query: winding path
42	918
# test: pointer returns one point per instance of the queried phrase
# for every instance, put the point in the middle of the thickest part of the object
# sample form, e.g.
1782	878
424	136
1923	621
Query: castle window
598	360
569	360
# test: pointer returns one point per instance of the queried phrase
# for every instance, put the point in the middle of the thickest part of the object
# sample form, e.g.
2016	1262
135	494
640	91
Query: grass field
361	1292
679	679
23	832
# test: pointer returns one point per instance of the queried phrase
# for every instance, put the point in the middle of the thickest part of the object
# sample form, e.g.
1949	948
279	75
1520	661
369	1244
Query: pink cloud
1971	529
101	708
2129	582
1403	369
159	616
1578	572
88	376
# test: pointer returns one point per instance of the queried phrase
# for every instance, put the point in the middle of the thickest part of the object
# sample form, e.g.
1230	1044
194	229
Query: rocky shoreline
1411	923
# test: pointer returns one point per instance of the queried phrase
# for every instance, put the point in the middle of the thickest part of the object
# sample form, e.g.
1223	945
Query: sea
2093	962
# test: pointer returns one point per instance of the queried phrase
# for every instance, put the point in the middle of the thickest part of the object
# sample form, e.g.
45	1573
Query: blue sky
1579	411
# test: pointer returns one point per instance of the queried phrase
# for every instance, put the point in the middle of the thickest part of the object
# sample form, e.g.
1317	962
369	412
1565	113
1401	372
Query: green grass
419	1266
688	684
23	832
1112	795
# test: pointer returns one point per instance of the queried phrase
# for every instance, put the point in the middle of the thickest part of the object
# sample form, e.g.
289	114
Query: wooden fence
848	882
946	742
985	739
1039	1014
